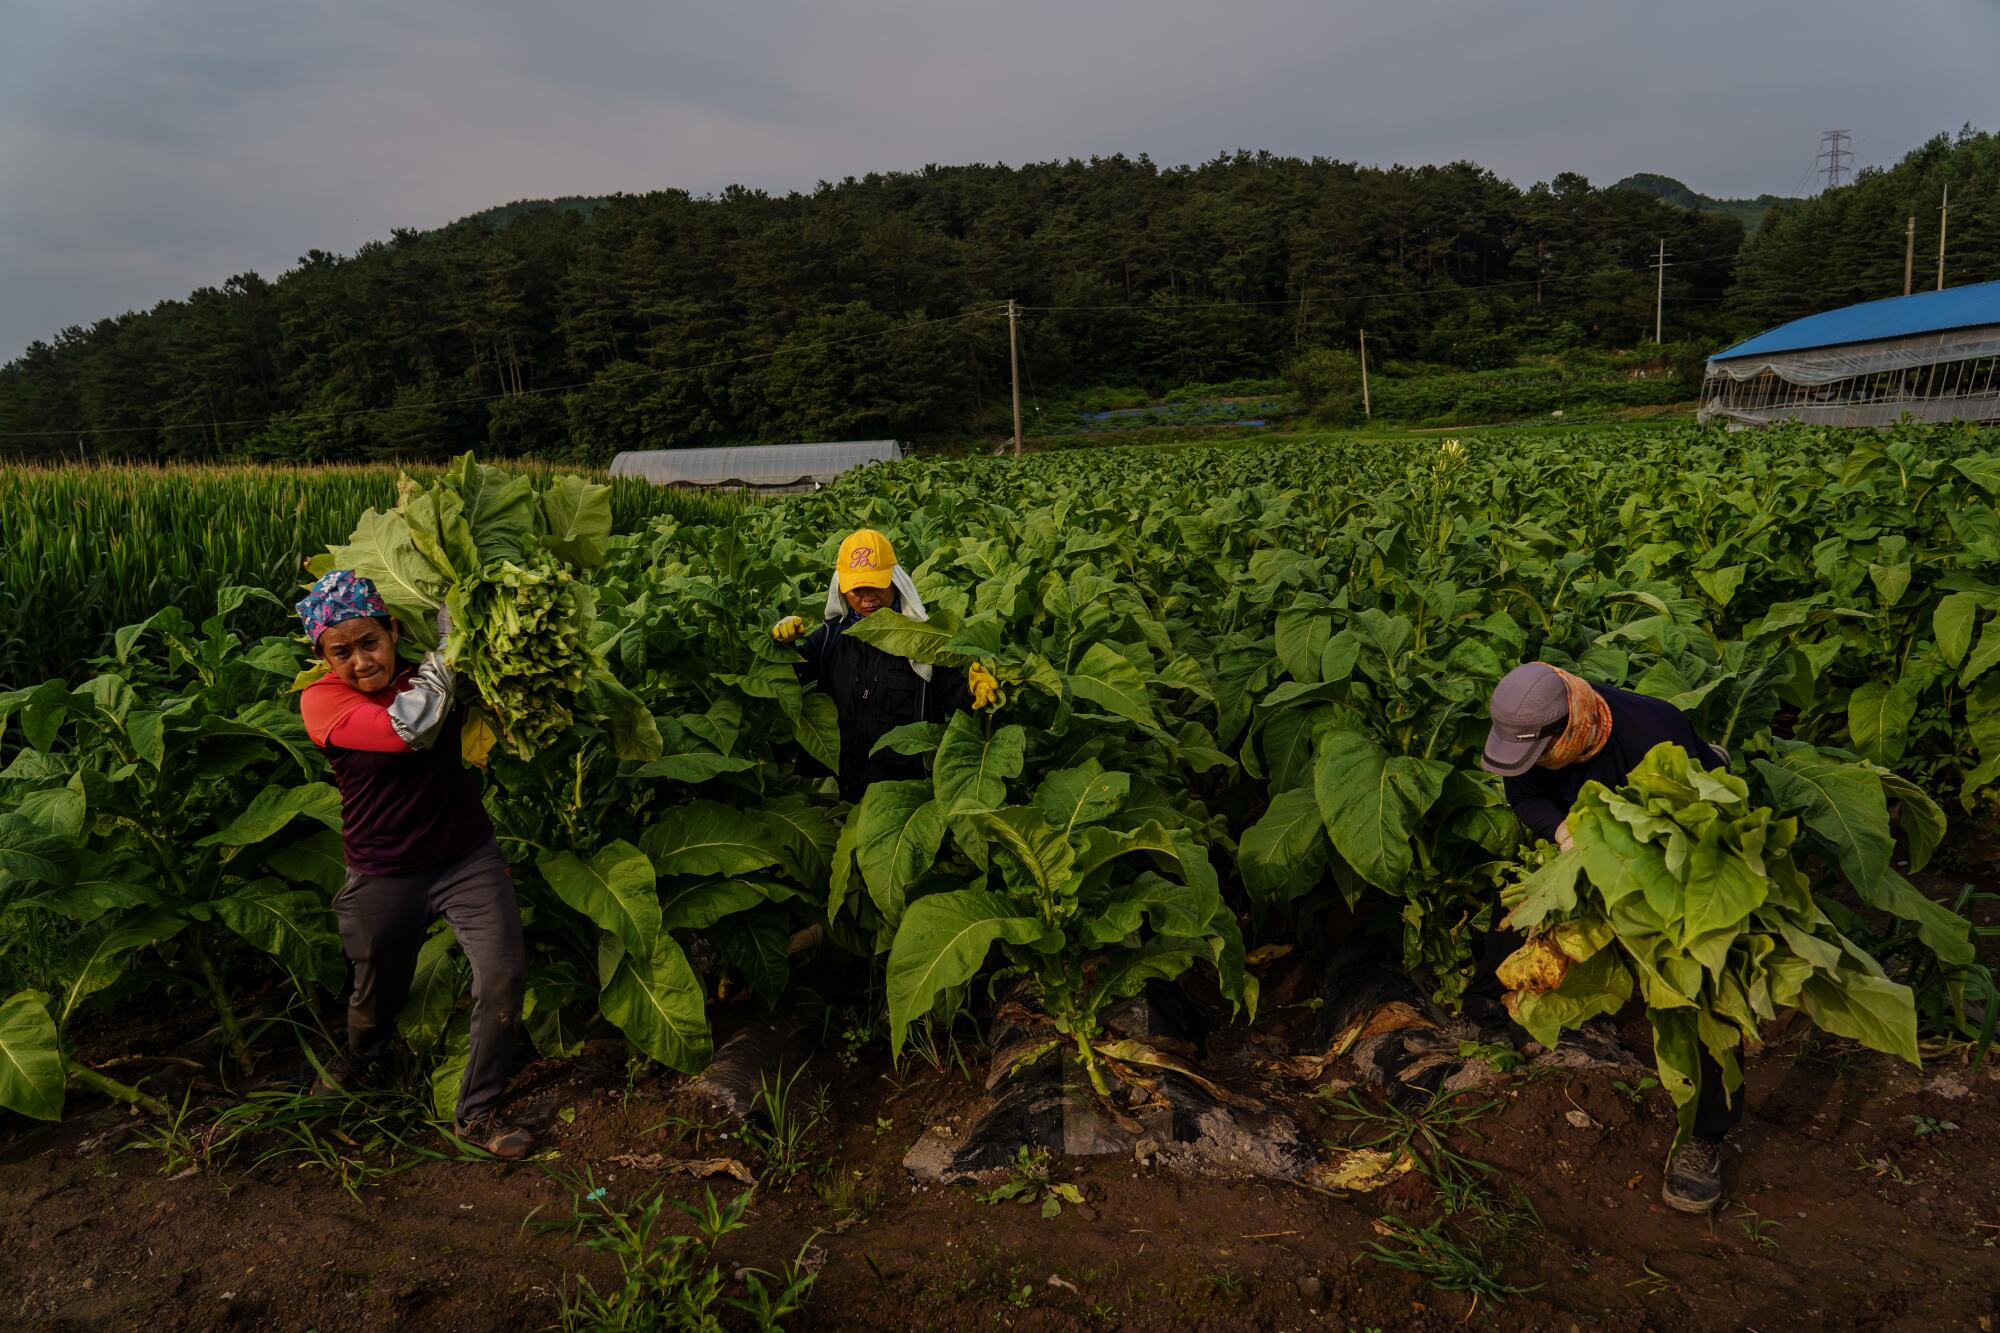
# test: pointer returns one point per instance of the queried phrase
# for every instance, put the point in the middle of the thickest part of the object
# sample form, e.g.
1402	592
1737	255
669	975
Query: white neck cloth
911	605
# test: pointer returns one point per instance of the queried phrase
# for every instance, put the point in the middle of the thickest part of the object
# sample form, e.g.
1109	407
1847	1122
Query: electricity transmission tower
1834	152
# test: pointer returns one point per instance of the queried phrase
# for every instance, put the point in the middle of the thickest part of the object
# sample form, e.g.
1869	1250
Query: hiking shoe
342	1072
1693	1179
508	1142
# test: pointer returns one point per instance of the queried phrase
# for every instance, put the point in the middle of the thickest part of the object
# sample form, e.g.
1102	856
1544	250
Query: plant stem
85	1077
232	1032
1090	1065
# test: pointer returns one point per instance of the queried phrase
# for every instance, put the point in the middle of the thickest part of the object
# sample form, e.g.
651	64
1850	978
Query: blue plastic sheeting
1897	317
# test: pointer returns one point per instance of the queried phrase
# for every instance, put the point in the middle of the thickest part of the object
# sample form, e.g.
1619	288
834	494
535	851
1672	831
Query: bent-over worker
1552	732
875	692
418	846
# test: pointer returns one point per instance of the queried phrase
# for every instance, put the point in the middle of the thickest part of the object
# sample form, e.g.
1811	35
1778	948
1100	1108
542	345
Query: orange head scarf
1589	726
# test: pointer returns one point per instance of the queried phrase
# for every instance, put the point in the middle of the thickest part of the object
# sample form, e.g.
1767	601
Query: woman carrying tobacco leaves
1553	732
418	846
875	692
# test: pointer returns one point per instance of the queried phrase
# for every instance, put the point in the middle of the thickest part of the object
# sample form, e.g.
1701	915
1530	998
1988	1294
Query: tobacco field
1244	692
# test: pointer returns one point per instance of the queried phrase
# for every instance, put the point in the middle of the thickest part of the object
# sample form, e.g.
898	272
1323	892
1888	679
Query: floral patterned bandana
340	594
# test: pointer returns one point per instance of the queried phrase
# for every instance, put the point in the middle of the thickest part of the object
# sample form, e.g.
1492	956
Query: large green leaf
656	1001
615	889
1106	678
972	768
1071	798
28	851
576	520
98	956
1284	852
898	828
290	925
499	508
1043	851
699	906
382	552
434	990
1843	803
315	859
1875	1011
273	808
707	838
758	946
940	945
31	1067
696	766
449	1072
1600	984
1878	718
817	730
918	640
1371	802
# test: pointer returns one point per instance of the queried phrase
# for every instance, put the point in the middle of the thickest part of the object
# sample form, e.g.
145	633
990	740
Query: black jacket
1542	797
875	693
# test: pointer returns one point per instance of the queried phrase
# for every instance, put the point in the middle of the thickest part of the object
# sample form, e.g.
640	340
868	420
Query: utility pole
1944	209
1833	151
1909	252
1659	288
1366	411
1014	364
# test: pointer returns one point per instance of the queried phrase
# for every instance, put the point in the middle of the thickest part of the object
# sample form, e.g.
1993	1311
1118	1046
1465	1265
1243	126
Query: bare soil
1860	1194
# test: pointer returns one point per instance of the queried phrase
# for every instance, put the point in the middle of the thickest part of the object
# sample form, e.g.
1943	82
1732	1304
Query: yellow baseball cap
866	560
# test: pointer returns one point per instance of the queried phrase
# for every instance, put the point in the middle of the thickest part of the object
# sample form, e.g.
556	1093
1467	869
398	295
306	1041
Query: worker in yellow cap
876	692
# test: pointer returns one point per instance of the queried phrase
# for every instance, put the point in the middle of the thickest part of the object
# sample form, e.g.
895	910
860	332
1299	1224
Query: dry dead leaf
1361	1170
698	1167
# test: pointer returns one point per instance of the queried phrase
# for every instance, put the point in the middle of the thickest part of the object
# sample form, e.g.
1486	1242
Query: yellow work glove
985	689
788	629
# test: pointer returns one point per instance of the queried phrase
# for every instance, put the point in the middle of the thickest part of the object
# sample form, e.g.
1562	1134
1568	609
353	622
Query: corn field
87	548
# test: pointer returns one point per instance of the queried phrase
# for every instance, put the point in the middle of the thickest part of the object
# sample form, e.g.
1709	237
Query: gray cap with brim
1530	706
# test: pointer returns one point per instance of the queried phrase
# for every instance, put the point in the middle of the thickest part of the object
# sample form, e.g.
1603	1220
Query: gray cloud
148	148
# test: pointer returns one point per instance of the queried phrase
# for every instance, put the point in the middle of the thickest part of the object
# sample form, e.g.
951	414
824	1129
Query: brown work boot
508	1142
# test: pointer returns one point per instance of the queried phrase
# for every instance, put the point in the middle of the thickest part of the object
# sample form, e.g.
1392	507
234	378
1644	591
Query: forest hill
582	326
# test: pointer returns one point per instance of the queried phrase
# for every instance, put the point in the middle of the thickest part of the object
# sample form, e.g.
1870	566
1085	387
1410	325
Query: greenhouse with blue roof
1934	356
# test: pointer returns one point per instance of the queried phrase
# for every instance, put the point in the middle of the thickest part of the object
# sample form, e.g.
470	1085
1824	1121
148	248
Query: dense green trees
867	307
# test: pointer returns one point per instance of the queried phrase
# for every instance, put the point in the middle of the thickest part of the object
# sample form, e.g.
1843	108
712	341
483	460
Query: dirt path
1860	1196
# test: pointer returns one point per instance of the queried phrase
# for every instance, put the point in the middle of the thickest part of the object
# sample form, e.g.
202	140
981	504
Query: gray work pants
383	921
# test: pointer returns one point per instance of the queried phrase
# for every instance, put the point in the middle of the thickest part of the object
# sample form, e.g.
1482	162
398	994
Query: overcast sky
148	148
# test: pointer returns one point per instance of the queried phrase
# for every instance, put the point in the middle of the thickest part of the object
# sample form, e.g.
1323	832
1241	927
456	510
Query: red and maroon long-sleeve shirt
402	811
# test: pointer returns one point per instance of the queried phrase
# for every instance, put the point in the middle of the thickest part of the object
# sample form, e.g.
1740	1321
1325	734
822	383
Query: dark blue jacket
874	694
1542	797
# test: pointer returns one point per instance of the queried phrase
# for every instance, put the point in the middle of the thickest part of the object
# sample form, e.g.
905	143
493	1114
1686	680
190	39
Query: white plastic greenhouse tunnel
755	467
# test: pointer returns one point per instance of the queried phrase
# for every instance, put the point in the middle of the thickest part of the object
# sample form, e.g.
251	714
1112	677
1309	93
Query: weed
790	1130
1755	1227
668	1278
1502	1058
181	1146
1444	1263
1928	1125
1226	1284
1028	1180
1836	1058
1635	1092
1882	1166
837	1191
1423	1130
